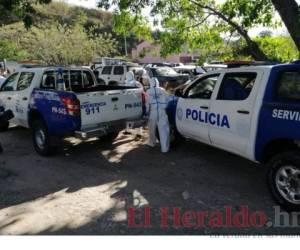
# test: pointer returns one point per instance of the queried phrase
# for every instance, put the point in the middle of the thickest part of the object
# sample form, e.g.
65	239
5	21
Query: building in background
146	53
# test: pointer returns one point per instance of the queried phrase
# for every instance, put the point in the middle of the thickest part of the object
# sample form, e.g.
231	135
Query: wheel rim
40	138
288	183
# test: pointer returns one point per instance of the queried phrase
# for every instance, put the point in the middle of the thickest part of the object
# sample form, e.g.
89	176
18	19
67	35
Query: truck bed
103	104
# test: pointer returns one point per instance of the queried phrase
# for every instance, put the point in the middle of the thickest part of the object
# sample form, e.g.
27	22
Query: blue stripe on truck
49	105
277	119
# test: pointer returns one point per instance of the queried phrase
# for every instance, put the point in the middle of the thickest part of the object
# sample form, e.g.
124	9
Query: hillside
67	15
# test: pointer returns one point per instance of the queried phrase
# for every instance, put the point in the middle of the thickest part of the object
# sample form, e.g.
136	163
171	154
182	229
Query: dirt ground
88	187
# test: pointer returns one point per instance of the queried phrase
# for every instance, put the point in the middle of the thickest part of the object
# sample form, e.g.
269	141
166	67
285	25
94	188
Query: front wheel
284	179
41	139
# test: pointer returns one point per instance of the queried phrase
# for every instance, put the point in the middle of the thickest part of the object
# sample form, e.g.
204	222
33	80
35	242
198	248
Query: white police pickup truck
56	103
250	111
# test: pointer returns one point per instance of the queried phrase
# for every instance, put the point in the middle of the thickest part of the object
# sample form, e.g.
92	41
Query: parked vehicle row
249	111
55	104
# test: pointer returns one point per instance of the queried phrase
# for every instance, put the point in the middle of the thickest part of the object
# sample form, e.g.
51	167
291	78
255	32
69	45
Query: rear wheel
284	179
4	127
41	138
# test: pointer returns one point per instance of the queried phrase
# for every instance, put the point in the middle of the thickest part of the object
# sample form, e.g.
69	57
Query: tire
110	137
175	137
284	179
41	139
4	127
113	84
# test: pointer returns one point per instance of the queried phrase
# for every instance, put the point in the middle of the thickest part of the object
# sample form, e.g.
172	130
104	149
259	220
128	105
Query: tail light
73	106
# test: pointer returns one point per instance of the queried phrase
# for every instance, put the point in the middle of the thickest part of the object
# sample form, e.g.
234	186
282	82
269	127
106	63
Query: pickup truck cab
250	111
56	103
114	74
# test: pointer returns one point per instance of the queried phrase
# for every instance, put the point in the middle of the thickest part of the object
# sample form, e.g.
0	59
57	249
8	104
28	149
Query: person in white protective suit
130	80
156	107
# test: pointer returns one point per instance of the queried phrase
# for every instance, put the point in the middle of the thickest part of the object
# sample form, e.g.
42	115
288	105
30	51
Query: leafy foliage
281	49
62	41
9	49
185	20
20	8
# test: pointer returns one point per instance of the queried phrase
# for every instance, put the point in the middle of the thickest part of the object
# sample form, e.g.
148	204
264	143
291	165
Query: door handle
9	98
204	107
114	99
24	98
244	112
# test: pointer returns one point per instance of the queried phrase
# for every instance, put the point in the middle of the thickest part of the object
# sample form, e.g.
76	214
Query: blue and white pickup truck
250	111
56	103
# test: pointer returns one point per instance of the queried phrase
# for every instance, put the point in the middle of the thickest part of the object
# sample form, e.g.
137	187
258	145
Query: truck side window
106	70
48	80
88	80
10	82
289	86
236	86
25	80
76	80
203	88
118	70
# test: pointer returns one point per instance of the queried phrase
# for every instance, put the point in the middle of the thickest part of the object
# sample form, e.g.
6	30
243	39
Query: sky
84	3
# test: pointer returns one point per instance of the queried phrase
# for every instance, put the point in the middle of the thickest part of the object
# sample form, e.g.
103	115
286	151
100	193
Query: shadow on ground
87	188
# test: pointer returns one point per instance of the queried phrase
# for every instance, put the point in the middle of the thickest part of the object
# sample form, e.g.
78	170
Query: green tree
289	11
184	18
20	8
54	43
9	50
125	25
280	49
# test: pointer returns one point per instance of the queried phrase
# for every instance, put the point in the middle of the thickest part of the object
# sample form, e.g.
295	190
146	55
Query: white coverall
130	80
157	100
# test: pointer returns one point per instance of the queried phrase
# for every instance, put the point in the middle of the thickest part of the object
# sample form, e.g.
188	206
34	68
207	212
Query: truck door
7	92
234	108
193	108
22	97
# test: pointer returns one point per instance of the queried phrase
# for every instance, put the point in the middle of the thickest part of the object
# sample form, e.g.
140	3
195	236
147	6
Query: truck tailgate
107	106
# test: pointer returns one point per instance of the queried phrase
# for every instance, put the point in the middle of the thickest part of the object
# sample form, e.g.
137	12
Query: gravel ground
89	187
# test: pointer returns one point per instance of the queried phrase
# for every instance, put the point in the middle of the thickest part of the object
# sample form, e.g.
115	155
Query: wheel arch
277	146
33	116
